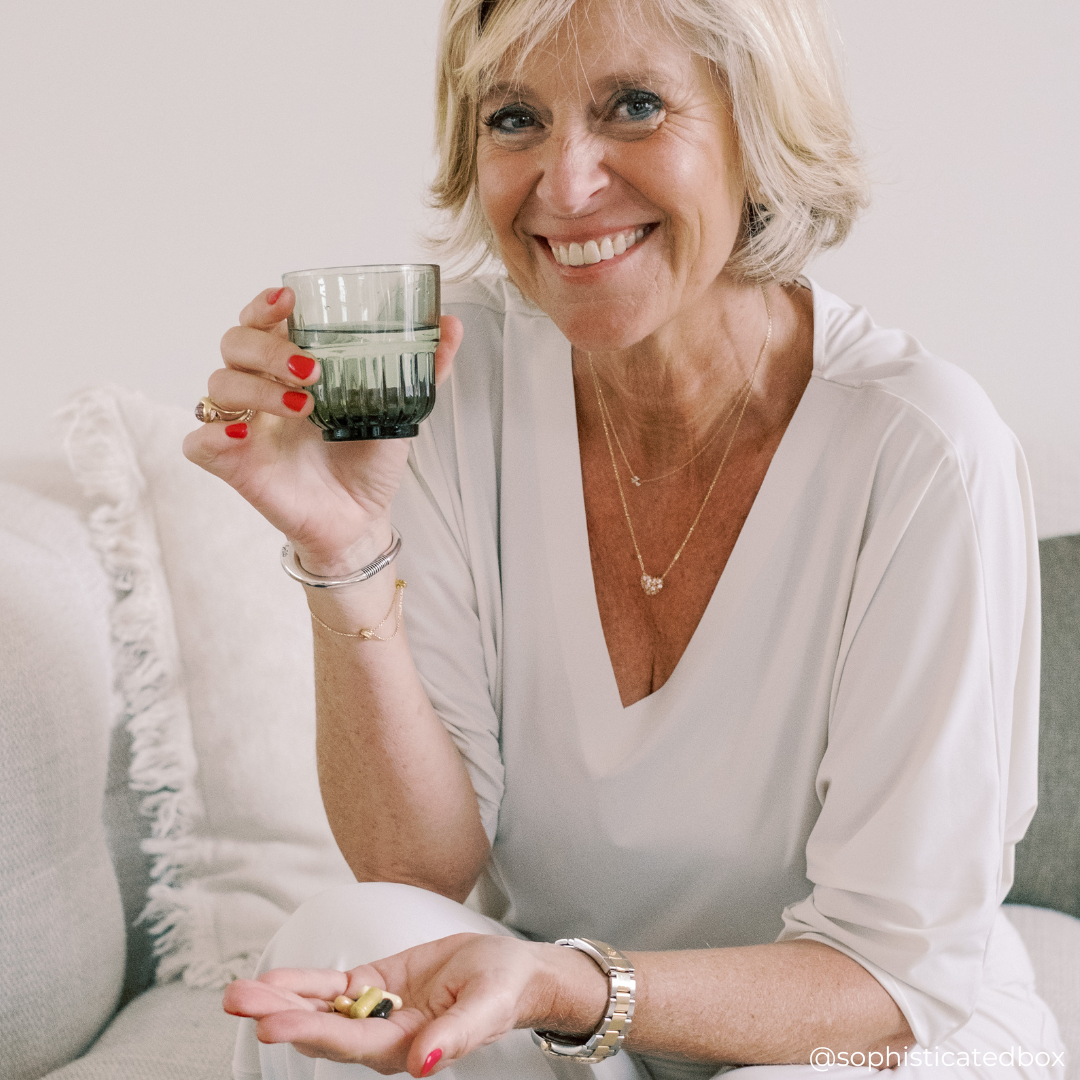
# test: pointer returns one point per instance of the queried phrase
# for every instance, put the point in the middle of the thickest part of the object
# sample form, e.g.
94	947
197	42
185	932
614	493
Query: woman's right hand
332	500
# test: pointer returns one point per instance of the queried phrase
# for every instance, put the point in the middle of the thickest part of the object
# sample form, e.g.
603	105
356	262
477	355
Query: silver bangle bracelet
291	564
606	1041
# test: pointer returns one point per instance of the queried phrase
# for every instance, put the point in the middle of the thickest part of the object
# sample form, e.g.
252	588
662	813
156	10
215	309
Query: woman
723	606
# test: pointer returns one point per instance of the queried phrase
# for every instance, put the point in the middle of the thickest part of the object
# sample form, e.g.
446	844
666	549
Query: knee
364	921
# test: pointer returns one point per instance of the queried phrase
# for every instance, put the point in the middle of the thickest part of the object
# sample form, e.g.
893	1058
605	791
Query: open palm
459	993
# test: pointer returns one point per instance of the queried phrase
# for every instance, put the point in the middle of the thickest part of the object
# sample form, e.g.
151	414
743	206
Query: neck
667	393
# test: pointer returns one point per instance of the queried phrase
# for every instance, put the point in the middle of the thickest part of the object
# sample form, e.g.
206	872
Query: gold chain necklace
636	480
652	585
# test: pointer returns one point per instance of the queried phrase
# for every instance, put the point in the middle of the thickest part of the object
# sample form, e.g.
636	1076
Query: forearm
397	795
762	1004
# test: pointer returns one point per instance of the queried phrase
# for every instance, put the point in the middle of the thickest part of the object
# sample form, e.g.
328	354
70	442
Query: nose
573	174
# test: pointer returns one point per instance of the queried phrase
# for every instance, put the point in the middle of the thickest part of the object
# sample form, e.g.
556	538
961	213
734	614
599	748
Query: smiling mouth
600	249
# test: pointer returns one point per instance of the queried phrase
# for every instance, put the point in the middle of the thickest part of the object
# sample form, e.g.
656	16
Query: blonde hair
805	180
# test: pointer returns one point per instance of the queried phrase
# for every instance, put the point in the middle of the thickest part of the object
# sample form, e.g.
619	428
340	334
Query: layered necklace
652	585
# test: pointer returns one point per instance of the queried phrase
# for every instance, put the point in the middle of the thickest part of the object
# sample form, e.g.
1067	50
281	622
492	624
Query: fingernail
294	400
432	1061
301	366
236	431
274	295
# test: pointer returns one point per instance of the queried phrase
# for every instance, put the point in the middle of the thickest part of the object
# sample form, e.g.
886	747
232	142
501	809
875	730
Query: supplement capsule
385	993
367	1001
342	1004
382	1010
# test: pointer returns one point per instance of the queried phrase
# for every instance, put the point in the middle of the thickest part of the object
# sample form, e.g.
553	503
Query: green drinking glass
373	330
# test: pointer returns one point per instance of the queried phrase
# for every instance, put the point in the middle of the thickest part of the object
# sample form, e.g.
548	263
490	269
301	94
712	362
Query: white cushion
1053	942
61	920
215	665
172	1032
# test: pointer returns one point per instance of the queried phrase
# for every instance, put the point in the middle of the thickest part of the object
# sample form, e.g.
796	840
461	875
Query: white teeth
594	251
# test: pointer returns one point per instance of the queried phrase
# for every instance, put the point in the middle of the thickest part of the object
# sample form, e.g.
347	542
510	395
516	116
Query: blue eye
637	105
510	120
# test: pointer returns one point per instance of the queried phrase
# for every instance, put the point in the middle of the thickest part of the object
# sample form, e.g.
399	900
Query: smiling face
608	171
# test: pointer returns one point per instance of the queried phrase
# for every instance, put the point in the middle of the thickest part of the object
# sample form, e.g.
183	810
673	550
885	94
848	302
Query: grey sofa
78	999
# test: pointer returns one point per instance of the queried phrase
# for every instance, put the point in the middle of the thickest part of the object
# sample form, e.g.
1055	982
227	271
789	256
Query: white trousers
355	924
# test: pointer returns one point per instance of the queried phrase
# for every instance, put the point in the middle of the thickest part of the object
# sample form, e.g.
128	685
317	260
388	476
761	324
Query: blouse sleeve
447	514
928	779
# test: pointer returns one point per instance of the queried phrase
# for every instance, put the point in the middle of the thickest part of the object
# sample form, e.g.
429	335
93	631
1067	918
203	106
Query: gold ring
209	412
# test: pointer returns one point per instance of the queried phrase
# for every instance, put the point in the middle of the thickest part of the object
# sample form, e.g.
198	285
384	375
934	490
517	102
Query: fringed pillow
213	655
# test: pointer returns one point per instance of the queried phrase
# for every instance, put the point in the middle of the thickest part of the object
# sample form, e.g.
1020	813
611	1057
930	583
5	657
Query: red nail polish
236	431
294	400
301	366
431	1062
274	295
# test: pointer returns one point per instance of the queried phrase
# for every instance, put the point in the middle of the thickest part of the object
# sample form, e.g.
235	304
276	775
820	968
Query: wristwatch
606	1041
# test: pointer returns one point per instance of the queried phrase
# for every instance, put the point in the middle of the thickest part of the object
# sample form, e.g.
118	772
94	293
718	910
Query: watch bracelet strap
606	1041
290	562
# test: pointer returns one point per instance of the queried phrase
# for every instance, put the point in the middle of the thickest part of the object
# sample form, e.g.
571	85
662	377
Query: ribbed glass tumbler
373	330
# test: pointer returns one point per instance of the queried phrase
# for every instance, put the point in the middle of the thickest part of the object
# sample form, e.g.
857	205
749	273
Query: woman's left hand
459	993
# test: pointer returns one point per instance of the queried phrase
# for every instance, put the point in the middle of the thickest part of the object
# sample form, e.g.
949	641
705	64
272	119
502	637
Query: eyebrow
616	80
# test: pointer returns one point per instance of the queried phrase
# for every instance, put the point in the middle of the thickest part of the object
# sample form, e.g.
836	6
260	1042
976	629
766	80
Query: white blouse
845	752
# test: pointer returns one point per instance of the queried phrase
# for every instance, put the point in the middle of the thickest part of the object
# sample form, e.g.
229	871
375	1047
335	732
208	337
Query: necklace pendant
651	585
635	481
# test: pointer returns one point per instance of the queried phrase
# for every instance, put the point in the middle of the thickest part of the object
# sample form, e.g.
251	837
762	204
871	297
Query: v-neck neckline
578	626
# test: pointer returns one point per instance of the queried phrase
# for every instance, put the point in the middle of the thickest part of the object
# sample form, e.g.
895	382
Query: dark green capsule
382	1010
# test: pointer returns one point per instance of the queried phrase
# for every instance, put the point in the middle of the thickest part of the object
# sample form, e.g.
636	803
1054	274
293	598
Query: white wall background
162	162
970	110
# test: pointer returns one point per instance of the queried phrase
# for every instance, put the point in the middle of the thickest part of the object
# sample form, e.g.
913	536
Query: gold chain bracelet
397	604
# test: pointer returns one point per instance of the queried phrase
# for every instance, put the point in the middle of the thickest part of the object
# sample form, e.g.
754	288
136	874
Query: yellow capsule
386	994
342	1004
365	1003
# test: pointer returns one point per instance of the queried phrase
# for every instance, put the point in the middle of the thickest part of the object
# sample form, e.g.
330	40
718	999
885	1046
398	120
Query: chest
668	804
680	533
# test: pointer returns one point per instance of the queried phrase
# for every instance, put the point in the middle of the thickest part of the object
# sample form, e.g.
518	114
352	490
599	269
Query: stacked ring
209	412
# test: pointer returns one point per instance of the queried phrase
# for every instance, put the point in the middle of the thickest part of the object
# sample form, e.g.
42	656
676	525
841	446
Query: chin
597	324
603	328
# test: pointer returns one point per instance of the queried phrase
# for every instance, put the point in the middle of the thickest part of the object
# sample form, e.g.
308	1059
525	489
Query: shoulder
504	332
491	309
491	293
467	417
890	373
481	303
914	431
484	291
